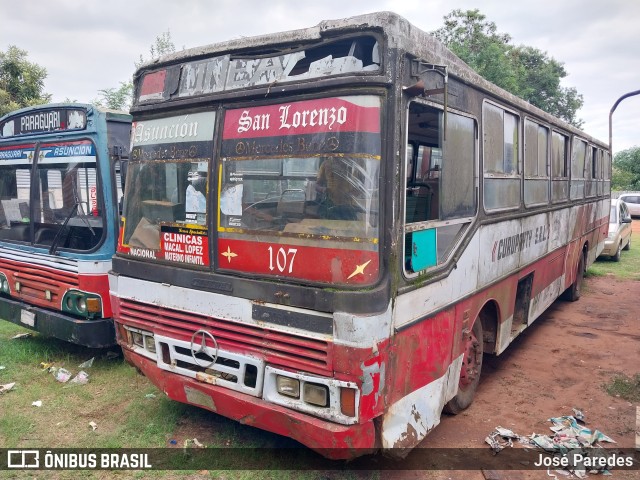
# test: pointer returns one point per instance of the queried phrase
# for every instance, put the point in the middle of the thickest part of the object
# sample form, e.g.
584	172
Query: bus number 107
283	259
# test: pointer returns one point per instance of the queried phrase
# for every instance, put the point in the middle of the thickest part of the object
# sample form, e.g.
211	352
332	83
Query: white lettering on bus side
177	130
72	150
322	117
317	117
257	123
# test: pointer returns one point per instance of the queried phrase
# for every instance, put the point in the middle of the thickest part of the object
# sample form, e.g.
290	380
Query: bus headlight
138	339
288	386
88	305
82	304
324	397
316	394
150	344
4	284
142	341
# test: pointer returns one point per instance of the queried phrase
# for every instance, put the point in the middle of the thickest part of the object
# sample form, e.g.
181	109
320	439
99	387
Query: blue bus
59	218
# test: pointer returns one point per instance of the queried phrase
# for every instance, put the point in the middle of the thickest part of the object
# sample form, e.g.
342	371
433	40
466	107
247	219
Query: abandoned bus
325	229
59	218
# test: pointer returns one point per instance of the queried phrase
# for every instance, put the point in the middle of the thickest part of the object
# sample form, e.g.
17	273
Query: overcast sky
90	45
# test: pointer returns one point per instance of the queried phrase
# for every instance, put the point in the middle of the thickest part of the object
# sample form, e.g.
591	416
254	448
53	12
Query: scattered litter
578	415
506	433
20	335
564	473
87	364
195	442
93	425
501	438
2	367
568	428
46	366
569	439
82	378
6	387
37	403
150	395
173	442
62	375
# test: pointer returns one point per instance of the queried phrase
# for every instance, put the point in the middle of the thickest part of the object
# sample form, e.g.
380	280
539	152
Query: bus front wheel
470	372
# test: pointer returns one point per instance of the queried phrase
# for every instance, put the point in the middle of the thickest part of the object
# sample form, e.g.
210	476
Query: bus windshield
64	201
326	195
305	174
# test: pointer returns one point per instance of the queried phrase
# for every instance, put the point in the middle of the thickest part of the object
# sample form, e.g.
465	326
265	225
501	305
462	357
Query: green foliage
116	98
626	170
162	46
524	71
21	81
628	268
624	387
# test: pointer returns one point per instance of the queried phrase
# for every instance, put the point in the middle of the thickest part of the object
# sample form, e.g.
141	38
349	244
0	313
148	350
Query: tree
524	71
120	98
21	81
626	170
163	46
115	98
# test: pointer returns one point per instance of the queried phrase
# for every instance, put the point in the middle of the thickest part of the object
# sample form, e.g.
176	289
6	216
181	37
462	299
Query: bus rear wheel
573	293
470	372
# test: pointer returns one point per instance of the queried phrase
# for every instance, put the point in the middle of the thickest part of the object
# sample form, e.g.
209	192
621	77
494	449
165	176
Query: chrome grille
277	348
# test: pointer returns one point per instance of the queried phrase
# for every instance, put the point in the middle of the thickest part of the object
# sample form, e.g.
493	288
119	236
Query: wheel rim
471	361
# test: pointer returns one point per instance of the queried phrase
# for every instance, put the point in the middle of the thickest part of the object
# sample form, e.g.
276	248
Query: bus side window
440	196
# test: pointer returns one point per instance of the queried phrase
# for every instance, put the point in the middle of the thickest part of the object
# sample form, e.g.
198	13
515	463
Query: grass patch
628	267
114	399
117	399
627	388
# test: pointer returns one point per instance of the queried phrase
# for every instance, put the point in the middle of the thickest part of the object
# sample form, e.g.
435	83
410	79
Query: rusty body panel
330	439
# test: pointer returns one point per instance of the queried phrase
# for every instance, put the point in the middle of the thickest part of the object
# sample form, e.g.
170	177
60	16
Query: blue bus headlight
82	303
4	284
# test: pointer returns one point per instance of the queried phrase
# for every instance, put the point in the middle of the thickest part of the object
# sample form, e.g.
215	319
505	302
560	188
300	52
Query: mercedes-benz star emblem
199	347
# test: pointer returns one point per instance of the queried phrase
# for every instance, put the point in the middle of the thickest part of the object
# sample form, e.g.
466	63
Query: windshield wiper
56	239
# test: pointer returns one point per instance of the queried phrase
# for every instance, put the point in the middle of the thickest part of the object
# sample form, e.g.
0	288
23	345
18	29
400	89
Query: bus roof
400	34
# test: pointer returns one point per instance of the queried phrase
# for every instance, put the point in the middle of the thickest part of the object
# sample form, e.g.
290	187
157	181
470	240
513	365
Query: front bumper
330	439
98	333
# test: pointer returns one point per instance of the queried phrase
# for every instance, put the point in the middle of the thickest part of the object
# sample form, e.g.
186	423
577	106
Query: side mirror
626	220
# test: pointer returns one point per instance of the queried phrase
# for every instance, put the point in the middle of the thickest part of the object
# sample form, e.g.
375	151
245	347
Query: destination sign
226	73
43	121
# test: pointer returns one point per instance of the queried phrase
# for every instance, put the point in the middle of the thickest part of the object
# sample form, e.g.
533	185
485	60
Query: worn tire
470	373
573	293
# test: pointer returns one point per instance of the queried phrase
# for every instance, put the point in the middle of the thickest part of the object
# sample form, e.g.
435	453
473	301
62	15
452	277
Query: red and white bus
325	229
